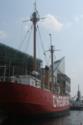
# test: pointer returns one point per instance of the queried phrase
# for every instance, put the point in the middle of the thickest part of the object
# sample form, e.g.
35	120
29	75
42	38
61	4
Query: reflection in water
75	118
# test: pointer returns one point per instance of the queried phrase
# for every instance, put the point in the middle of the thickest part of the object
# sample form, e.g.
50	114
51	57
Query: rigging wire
28	33
54	57
42	45
28	40
21	44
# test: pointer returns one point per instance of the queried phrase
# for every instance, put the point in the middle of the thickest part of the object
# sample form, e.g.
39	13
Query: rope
22	42
28	40
42	45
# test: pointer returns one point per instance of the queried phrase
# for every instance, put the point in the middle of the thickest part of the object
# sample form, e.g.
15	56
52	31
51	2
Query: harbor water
74	118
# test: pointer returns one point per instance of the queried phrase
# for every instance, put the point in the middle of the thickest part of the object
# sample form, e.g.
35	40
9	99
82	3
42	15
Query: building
61	80
15	62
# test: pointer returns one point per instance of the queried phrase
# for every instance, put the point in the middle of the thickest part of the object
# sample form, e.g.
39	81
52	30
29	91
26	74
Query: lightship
36	93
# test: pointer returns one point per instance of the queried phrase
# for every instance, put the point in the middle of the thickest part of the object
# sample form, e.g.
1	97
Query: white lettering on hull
60	101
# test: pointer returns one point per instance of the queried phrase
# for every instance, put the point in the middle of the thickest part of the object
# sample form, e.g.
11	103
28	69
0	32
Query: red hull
25	99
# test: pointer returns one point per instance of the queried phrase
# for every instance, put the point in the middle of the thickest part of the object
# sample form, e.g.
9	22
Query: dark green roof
16	58
9	54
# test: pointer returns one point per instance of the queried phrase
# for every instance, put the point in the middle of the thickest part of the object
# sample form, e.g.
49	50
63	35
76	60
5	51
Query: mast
52	52
34	19
78	94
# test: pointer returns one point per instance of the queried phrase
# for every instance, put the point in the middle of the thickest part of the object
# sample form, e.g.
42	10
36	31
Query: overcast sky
64	20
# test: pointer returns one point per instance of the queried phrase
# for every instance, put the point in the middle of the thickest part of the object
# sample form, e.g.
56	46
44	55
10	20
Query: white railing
23	79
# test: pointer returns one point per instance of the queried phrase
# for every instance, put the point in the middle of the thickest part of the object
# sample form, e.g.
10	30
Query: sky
62	18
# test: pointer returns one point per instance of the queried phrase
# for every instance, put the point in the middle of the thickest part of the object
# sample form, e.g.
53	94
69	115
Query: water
75	118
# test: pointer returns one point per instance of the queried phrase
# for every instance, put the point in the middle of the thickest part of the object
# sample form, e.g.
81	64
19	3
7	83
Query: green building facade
15	61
